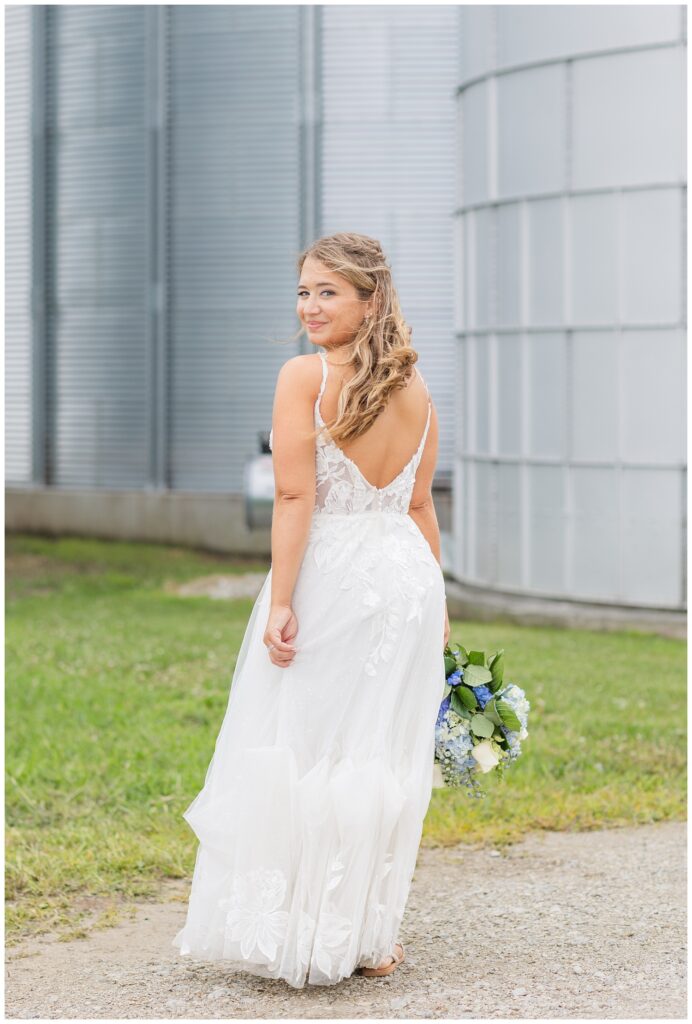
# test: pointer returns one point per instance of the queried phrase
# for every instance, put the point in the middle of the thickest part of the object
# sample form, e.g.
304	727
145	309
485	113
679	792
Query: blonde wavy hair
381	351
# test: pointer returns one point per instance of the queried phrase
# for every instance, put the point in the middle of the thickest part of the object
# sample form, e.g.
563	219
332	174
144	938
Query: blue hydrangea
455	678
483	694
453	746
442	713
516	698
513	741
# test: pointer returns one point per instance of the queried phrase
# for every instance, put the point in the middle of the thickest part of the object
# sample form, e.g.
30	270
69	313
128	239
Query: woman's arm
425	516
422	507
293	453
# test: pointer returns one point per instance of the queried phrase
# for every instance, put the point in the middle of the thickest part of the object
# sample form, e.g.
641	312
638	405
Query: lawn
115	690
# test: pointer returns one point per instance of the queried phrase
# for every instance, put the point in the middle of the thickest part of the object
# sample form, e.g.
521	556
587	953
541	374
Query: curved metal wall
570	313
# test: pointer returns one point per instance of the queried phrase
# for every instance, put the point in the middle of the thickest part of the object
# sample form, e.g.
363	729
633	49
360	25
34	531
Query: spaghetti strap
321	391
427	422
421	446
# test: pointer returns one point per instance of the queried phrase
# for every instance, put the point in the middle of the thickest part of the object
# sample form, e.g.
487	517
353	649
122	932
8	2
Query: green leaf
457	703
490	711
497	668
482	726
477	657
508	715
447	690
450	664
461	656
454	703
467	697
476	675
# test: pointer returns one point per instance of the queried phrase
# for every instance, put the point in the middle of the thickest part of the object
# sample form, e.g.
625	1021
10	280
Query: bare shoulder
301	373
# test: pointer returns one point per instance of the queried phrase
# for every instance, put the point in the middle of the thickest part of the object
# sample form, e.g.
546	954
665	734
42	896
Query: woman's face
328	306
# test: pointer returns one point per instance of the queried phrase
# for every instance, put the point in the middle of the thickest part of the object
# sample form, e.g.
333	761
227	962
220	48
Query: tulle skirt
312	809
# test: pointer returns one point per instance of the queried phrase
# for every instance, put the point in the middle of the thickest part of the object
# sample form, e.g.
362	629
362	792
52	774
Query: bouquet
481	723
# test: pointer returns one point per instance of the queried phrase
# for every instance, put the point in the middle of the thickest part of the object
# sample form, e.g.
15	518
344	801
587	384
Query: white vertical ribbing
568	482
524	320
492	138
618	471
493	404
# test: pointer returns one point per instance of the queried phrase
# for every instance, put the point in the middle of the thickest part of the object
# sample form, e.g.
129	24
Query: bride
311	813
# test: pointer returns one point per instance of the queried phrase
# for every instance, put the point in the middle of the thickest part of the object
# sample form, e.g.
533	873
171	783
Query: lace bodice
342	488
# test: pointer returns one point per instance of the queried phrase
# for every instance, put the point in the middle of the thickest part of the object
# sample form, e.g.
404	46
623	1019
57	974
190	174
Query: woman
312	809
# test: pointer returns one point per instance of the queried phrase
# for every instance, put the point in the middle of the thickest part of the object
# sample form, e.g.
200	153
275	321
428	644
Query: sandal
377	972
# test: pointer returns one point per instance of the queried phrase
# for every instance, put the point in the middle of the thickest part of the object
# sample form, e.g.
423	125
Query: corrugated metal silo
570	469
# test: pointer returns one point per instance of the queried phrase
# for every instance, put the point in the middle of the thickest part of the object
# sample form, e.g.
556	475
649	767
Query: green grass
115	690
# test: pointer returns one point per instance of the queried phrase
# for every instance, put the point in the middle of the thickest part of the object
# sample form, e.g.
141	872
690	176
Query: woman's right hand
281	628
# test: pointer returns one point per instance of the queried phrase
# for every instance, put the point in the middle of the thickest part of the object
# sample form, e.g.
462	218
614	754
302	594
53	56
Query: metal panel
388	165
509	394
547	387
509	265
595	431
484	249
474	156
477	33
18	219
531	131
595	551
652	556
485	513
531	33
234	229
593	259
620	136
509	545
97	246
546	262
547	550
653	376
652	267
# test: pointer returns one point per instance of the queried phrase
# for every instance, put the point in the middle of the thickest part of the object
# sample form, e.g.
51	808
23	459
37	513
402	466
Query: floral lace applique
325	944
390	599
341	487
253	917
332	940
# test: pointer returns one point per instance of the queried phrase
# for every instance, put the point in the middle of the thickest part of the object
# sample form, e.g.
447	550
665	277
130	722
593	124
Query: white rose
523	734
485	755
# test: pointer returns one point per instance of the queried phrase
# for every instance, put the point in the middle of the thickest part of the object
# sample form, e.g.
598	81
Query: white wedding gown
311	814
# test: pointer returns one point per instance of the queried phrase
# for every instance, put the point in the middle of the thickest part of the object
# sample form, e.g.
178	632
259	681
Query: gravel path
584	924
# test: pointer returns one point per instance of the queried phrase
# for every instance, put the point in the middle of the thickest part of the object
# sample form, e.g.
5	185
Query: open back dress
311	813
